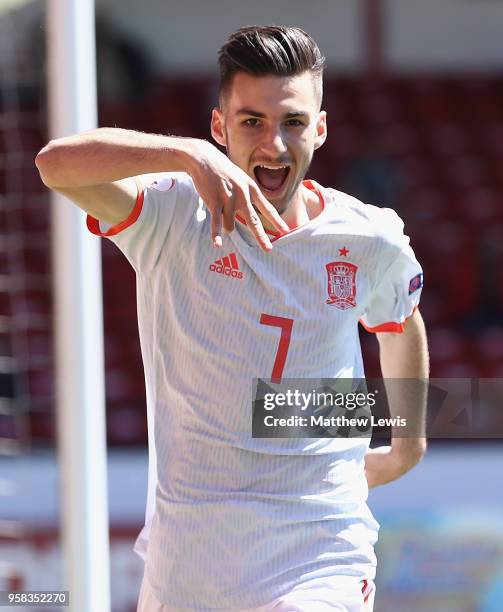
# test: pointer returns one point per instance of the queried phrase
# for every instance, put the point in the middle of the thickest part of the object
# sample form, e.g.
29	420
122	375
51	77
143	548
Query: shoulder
383	224
171	191
164	182
173	197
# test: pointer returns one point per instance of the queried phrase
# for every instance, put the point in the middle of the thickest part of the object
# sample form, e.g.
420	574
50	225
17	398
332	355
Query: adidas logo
228	266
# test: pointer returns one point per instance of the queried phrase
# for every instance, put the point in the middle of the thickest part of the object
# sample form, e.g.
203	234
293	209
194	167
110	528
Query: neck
304	206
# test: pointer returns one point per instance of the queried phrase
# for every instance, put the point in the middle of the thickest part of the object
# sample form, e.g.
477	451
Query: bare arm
402	356
92	169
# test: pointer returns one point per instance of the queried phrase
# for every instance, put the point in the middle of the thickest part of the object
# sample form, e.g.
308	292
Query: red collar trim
310	185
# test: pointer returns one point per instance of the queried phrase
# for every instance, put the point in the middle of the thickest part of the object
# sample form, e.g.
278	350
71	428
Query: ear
217	127
321	129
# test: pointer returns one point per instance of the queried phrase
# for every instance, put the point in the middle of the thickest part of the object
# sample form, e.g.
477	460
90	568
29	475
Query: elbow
420	449
409	452
46	164
416	450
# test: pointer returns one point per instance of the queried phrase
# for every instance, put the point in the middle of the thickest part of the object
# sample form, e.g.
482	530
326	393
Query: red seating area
443	138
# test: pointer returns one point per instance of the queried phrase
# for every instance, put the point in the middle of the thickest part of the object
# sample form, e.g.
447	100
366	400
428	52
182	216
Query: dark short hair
269	50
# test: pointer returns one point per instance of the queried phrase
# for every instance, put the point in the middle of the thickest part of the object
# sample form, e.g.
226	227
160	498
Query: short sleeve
163	201
396	295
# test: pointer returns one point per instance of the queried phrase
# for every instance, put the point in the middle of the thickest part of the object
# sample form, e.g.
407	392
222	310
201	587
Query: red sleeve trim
93	225
391	326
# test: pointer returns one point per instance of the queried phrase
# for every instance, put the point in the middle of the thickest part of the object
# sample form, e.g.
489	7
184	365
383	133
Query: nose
273	143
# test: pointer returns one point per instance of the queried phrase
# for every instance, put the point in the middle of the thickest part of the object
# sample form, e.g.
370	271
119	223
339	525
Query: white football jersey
234	521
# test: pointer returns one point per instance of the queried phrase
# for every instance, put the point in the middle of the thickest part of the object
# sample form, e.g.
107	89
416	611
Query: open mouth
271	178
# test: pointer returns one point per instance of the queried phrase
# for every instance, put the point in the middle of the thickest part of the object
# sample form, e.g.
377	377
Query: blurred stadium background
414	94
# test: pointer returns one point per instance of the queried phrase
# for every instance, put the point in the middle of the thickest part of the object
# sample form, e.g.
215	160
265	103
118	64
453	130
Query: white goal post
78	322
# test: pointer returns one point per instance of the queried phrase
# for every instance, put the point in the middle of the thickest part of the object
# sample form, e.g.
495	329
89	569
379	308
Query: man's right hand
93	170
228	191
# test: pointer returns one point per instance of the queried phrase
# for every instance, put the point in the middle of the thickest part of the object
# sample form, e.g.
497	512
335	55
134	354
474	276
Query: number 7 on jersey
284	342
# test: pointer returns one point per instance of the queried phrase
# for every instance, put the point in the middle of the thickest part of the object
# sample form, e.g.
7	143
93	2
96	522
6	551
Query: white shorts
348	596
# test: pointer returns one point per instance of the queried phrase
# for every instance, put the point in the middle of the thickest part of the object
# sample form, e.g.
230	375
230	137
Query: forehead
272	95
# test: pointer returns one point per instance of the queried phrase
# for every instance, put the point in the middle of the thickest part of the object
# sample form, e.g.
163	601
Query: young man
235	522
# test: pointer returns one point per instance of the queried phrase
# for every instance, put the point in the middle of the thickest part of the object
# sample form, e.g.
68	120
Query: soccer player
247	270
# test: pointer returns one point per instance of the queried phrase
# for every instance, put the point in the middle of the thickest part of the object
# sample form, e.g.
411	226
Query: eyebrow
254	113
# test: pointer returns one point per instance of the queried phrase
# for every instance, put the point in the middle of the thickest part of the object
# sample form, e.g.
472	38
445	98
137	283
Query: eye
294	122
251	122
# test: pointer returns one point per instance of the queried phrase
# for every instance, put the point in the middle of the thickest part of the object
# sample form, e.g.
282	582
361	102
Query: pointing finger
253	222
216	228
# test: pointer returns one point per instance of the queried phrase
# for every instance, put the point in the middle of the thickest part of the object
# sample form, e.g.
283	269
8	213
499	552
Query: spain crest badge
341	284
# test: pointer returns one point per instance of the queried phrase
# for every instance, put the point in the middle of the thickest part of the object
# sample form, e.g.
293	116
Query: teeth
272	167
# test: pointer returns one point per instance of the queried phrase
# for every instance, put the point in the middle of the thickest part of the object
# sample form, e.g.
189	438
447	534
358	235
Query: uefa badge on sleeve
163	184
341	284
415	283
